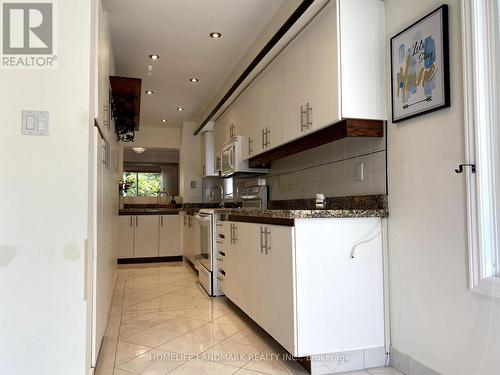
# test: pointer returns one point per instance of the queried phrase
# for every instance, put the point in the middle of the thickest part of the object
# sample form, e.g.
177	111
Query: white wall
158	137
190	164
43	215
435	318
150	137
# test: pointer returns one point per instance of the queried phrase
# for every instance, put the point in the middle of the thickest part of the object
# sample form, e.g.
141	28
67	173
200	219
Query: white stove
207	267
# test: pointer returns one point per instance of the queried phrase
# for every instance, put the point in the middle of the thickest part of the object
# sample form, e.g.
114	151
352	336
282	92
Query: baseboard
177	258
408	365
354	360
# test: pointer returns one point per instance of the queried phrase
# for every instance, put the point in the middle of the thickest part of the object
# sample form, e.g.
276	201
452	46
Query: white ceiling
179	32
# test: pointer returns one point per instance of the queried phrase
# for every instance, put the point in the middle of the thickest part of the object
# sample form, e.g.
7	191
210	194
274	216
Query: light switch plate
35	123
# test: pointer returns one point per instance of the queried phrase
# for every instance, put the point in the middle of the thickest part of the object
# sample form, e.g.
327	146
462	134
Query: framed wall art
420	72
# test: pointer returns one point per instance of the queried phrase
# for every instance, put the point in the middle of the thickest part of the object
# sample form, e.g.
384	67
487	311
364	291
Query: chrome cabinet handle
106	116
302	113
250	141
235	233
308	115
268	137
262	232
137	221
268	240
131	221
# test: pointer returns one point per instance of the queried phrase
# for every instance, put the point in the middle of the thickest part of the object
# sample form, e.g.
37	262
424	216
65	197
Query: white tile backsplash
330	169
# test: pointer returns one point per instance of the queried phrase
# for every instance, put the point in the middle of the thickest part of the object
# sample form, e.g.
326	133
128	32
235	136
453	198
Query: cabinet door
280	288
233	124
296	85
262	110
125	237
251	121
169	236
257	261
208	154
146	236
188	235
272	102
230	265
323	69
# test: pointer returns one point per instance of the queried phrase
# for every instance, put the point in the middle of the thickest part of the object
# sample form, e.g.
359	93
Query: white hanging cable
362	240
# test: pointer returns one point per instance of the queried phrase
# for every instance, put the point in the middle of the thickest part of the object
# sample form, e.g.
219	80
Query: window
481	56
142	184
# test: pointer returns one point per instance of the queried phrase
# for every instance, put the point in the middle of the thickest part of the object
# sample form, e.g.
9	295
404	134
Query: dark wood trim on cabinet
177	258
301	9
261	220
343	129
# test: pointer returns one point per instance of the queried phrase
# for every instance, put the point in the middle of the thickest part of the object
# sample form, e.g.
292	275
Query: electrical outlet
360	171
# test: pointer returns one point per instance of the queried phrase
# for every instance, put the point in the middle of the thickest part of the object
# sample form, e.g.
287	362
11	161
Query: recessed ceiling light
149	92
215	35
154	57
180	108
194	80
163	120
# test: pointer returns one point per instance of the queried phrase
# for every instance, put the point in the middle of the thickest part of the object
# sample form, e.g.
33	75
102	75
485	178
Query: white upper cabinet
296	86
208	167
332	70
362	59
323	96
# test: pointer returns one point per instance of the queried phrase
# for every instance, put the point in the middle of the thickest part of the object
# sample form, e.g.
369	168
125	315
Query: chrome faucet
212	193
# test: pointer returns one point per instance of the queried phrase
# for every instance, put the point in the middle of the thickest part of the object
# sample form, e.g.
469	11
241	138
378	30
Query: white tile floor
162	322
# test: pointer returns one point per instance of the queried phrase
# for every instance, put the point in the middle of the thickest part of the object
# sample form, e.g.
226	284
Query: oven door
206	241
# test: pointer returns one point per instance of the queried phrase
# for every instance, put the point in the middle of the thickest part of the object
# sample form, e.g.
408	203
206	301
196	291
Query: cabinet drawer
221	257
221	275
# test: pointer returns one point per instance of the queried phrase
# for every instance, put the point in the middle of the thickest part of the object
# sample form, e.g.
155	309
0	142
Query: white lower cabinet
148	236
169	238
125	237
191	230
302	286
259	276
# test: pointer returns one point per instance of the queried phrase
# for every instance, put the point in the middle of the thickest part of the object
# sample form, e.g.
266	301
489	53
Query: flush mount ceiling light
215	35
194	80
138	150
180	108
163	120
149	92
154	57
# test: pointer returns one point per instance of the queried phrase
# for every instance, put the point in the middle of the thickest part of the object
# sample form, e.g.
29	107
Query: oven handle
232	154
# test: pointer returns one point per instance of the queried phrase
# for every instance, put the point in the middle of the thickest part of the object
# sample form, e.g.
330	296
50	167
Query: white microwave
232	162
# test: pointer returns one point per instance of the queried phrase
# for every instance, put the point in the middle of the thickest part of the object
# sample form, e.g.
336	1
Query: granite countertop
305	214
149	211
286	210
